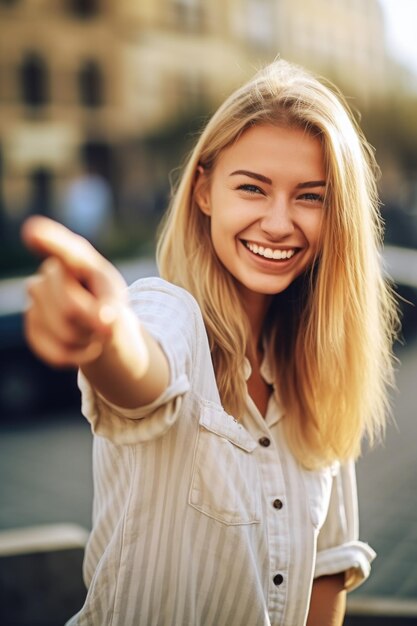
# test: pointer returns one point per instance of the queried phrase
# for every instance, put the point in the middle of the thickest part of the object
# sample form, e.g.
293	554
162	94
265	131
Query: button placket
277	522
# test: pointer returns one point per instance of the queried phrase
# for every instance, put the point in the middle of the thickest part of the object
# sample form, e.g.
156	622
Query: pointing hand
74	298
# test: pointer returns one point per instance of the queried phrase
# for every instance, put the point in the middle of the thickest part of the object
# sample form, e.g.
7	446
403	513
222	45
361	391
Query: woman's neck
256	308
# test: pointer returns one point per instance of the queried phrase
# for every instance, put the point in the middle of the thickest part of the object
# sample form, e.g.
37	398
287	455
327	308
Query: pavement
387	488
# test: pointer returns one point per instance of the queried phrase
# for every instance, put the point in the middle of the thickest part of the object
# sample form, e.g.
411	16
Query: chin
270	288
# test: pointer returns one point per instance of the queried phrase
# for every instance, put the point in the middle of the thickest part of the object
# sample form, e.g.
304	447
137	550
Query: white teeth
268	253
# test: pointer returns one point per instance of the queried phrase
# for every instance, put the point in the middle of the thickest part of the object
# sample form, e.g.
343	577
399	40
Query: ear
202	191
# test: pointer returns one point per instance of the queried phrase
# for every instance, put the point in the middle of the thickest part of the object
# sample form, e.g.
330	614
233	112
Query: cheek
217	233
224	238
314	227
225	221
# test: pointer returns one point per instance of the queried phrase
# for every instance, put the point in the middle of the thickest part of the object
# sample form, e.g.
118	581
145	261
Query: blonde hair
330	333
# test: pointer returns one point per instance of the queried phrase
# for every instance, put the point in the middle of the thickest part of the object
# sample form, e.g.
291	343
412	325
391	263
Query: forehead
275	148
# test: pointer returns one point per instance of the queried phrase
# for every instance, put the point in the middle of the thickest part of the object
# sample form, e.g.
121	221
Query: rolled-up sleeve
338	546
172	317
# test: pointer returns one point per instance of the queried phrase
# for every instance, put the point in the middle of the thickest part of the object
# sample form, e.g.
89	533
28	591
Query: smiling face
265	202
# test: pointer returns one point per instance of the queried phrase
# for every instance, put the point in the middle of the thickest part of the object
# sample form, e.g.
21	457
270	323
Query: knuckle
52	270
48	266
34	285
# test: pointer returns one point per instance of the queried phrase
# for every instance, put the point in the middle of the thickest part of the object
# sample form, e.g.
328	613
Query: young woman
228	401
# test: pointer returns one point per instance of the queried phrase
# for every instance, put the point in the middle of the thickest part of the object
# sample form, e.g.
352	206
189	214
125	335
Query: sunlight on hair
333	368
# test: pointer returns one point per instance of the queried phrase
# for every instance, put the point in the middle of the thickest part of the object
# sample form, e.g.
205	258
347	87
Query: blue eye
312	197
252	189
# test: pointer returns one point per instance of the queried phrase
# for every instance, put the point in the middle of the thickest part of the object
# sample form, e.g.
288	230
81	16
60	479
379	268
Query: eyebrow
312	183
260	177
265	179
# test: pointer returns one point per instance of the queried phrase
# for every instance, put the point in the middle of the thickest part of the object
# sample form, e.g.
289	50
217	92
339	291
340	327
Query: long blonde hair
330	333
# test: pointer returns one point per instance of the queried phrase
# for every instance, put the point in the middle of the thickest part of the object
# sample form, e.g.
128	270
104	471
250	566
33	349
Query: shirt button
278	579
277	504
265	442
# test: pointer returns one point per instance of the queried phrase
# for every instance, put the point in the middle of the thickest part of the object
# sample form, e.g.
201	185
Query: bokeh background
100	101
117	90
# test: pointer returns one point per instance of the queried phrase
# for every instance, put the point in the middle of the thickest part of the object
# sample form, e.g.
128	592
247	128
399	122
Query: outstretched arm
79	316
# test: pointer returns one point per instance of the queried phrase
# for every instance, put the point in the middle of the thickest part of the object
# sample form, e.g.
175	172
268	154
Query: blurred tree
171	144
391	126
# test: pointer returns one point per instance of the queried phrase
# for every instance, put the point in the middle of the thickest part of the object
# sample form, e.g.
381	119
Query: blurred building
344	39
78	78
83	82
60	96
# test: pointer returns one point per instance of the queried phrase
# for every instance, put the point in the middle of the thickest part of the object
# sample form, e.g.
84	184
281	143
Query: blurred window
34	80
41	180
84	8
188	15
91	84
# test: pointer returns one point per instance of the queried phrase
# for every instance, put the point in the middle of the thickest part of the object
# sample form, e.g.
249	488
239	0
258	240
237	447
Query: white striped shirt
199	520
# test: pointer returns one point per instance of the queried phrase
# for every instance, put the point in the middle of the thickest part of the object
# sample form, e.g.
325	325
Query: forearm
132	369
328	601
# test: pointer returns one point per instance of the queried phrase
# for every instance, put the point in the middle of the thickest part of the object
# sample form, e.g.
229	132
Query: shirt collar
265	369
275	411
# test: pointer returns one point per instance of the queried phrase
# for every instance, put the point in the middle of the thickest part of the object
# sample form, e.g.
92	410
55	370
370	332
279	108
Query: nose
277	221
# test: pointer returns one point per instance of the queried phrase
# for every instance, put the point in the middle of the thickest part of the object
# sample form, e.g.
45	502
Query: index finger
49	238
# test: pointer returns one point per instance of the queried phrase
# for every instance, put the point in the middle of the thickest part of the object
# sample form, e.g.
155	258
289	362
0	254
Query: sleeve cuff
131	426
354	558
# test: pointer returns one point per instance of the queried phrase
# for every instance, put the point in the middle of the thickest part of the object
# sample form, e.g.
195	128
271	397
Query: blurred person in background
87	207
228	399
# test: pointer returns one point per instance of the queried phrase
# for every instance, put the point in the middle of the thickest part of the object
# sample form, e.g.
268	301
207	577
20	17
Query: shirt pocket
318	485
225	481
